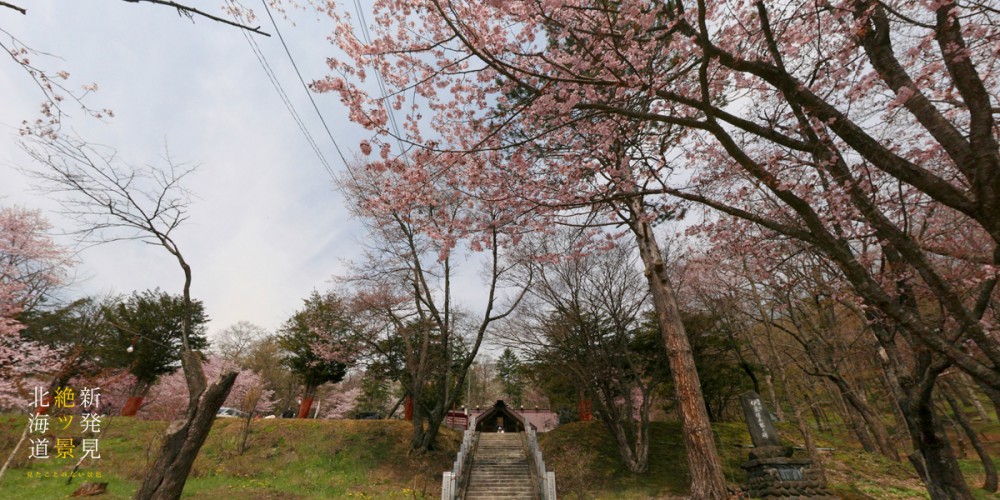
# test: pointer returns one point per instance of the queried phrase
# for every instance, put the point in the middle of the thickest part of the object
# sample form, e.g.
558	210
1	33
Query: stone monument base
773	473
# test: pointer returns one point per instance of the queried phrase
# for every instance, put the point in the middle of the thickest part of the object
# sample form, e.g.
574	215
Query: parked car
226	412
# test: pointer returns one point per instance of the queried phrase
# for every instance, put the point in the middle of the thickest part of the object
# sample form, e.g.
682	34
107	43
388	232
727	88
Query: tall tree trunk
850	418
932	456
418	416
707	478
135	399
822	423
965	387
800	421
989	467
769	382
992	394
184	438
307	401
943	477
870	417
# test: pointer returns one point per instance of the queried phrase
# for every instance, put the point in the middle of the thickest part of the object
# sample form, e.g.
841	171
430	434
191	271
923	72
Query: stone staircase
500	469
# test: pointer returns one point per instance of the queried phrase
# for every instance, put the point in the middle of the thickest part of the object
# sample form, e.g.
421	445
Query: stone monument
772	472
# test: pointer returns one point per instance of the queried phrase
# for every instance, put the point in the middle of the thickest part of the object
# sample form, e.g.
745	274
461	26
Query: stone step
498	478
487	496
518	484
500	469
504	484
524	471
506	471
499	491
472	493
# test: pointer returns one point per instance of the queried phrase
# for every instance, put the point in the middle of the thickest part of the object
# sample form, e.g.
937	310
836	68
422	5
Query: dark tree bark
944	478
989	467
166	478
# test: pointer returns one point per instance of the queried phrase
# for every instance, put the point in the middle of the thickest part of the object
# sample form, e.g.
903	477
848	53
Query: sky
266	226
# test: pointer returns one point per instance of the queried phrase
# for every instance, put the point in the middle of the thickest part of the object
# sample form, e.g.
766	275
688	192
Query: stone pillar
772	472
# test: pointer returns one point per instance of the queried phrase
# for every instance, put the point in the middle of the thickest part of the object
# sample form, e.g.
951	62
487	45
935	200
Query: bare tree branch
189	11
12	6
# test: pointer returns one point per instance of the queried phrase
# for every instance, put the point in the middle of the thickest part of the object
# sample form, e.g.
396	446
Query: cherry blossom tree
845	125
168	399
31	266
403	288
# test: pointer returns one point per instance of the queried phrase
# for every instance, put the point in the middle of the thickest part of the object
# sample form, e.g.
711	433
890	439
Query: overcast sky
267	225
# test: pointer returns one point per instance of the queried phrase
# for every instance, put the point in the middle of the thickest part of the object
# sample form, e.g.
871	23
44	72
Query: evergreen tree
509	371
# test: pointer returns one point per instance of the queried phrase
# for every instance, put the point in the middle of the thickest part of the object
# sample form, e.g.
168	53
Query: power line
304	86
286	101
381	83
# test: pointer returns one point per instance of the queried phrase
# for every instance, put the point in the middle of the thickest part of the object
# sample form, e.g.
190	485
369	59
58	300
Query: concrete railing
546	479
453	481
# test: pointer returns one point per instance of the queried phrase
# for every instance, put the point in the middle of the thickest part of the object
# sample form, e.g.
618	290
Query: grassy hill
585	459
285	459
303	459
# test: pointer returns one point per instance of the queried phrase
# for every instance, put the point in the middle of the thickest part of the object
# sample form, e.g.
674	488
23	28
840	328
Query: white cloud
266	226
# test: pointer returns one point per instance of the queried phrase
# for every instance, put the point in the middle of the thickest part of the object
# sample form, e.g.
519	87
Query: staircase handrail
455	480
546	479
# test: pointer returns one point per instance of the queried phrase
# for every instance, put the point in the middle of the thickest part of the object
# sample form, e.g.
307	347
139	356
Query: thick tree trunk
307	401
943	477
988	466
418	417
707	479
418	434
433	427
183	440
135	399
932	457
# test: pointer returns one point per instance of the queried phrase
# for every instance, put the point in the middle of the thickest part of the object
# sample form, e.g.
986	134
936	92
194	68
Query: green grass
286	459
305	459
585	459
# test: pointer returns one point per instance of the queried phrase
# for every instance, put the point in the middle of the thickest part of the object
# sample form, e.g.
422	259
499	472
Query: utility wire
304	86
287	102
381	82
